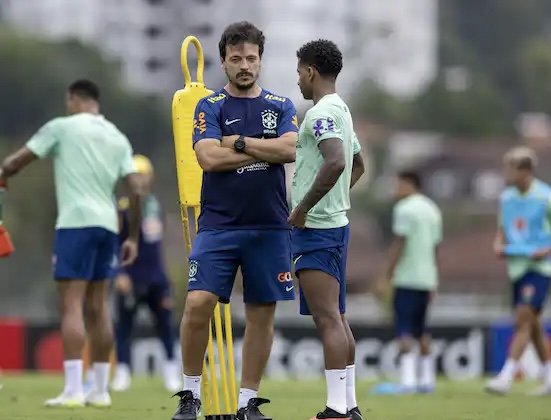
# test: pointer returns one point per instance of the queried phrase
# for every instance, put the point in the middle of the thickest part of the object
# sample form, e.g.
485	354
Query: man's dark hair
323	55
240	32
86	89
412	177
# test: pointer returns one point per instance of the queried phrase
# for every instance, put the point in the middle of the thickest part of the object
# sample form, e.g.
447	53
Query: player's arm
40	145
402	226
358	167
278	150
212	157
16	162
281	149
333	166
394	254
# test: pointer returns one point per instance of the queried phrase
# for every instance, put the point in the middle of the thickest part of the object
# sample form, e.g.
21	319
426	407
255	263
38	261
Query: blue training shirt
149	266
254	196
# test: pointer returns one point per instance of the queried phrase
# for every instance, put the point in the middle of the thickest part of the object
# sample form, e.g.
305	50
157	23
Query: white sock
428	377
408	370
101	372
193	384
509	370
547	374
245	395
73	376
336	390
351	387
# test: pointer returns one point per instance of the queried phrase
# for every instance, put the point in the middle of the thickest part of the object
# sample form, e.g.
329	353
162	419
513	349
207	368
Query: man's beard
239	85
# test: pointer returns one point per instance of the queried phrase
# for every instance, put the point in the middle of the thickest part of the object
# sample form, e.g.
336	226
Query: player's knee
198	308
326	320
525	317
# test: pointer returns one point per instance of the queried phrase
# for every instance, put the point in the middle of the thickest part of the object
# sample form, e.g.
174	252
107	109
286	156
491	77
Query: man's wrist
240	144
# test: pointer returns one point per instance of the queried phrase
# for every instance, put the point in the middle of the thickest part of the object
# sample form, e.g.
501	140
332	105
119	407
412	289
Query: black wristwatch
239	145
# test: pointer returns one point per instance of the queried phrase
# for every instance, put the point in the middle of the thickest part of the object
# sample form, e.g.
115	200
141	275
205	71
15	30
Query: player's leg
266	268
351	403
427	378
98	317
404	306
74	251
318	256
126	306
71	296
160	304
524	294
539	336
100	332
213	264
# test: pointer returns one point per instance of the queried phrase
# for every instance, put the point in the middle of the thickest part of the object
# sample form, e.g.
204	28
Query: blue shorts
263	255
89	253
531	289
323	250
410	311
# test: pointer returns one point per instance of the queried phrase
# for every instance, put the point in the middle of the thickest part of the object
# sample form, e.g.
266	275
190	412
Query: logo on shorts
528	293
283	277
193	266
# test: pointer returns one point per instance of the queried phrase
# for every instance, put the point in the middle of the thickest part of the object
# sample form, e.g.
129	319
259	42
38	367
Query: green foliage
33	86
504	46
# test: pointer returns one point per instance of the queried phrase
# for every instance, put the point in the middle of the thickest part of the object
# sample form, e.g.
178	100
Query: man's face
72	103
513	175
242	64
305	76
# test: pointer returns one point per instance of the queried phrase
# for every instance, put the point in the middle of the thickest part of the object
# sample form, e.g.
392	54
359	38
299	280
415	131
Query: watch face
239	144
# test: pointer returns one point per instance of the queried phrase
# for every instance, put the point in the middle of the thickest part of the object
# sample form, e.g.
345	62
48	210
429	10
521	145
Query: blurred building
392	42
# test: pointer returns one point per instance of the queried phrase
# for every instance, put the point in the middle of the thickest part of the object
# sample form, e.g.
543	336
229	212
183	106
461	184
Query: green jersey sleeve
322	125
402	221
356	147
45	141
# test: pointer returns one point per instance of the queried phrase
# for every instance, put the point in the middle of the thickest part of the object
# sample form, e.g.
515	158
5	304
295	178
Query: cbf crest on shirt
254	196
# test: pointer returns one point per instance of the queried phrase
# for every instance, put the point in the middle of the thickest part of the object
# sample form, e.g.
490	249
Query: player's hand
499	249
129	252
298	217
123	284
541	254
228	141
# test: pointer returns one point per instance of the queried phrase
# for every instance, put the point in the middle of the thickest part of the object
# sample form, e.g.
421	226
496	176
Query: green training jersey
419	221
328	119
90	155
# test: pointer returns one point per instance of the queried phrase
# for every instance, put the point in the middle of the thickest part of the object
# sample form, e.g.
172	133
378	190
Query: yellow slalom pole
212	369
231	357
221	356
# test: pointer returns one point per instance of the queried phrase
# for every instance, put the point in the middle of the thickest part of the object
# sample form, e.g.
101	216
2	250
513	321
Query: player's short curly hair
521	157
323	55
241	32
85	89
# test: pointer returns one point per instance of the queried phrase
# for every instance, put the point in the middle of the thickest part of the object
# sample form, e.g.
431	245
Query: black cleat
355	414
330	414
189	407
251	411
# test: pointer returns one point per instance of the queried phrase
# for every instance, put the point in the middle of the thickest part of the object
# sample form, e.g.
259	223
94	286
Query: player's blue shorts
531	289
263	255
89	253
410	311
324	250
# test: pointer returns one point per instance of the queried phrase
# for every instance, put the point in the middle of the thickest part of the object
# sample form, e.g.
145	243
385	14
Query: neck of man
325	87
525	184
89	108
253	92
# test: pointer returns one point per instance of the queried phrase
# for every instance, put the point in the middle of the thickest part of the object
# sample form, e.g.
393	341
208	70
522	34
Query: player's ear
310	72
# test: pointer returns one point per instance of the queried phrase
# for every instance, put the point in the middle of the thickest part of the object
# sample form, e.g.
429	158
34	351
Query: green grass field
22	396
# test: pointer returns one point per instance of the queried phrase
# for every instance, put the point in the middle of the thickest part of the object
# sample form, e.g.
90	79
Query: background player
413	271
242	137
524	239
145	281
328	164
90	155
